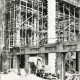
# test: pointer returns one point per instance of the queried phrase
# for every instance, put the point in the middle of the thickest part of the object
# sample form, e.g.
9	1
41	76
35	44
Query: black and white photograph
39	39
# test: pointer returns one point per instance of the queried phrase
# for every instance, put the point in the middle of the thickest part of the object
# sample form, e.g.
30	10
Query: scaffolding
67	29
1	27
26	22
67	21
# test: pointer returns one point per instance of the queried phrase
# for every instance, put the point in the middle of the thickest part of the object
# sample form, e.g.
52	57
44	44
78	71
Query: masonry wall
5	61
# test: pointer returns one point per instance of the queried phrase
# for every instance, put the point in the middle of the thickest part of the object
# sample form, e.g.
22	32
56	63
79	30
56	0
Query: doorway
22	61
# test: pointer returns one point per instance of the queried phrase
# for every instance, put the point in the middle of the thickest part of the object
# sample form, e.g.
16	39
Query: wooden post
18	65
74	23
69	23
64	22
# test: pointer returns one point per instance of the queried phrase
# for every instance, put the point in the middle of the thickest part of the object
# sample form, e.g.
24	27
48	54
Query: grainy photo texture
39	39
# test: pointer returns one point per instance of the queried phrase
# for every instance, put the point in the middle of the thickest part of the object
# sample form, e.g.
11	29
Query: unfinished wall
5	61
67	21
26	22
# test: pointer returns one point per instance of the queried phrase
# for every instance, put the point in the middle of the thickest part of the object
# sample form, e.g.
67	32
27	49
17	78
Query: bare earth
13	76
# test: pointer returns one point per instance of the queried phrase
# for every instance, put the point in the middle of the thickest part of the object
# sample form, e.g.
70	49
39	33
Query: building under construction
25	24
68	29
26	33
67	20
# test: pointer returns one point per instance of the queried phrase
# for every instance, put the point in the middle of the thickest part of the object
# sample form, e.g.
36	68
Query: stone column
15	62
27	64
18	65
61	66
78	61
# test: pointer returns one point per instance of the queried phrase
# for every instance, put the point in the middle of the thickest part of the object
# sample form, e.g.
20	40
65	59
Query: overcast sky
51	20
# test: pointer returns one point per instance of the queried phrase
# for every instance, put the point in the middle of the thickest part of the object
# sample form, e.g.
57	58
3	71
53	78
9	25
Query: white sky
51	20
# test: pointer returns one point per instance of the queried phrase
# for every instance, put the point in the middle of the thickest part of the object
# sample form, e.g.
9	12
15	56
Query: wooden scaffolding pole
69	23
64	22
74	23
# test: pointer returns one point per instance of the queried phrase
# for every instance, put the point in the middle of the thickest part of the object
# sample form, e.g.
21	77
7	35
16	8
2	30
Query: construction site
24	38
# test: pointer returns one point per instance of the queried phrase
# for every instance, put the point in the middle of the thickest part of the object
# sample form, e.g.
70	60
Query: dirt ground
13	76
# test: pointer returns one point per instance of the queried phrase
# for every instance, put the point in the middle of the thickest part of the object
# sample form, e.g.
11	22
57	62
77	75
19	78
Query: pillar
15	62
18	64
0	62
27	64
78	62
61	66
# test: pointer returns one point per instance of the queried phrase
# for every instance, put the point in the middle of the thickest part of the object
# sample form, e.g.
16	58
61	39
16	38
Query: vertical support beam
14	61
9	33
32	26
20	19
69	24
26	25
78	61
37	30
42	23
58	10
27	64
25	36
22	42
35	21
0	62
14	24
63	66
74	23
10	61
18	65
42	15
9	25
